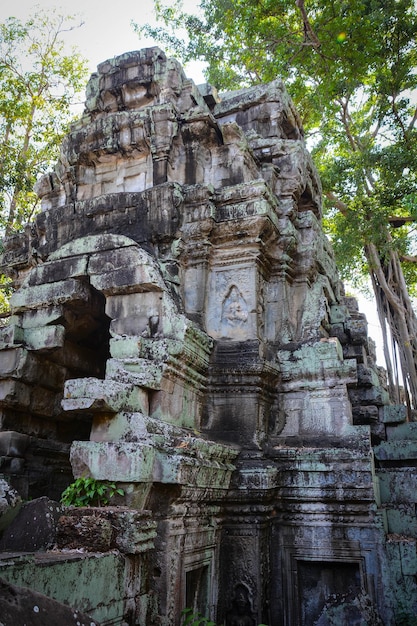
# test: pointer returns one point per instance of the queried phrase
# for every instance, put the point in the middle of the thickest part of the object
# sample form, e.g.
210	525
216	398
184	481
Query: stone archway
87	337
61	330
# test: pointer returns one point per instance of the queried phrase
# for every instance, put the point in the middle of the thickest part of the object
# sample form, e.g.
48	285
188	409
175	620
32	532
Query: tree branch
408	259
309	33
337	203
413	120
397	222
375	266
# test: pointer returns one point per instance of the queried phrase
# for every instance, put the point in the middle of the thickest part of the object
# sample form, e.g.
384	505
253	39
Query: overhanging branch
309	33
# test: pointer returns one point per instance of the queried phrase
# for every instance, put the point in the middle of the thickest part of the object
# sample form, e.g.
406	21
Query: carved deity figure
234	311
241	613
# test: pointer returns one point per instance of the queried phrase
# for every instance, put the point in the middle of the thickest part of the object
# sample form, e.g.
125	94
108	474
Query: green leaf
87	491
38	83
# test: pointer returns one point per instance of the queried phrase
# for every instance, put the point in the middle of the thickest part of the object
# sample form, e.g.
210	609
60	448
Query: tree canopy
351	68
38	83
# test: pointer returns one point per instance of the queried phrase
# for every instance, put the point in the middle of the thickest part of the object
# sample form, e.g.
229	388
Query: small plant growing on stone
87	491
195	619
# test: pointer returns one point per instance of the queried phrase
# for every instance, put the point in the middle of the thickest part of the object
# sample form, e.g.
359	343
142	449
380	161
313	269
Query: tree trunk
397	315
22	158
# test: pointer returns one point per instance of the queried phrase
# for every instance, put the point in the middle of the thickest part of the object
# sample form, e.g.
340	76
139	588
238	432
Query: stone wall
96	584
179	328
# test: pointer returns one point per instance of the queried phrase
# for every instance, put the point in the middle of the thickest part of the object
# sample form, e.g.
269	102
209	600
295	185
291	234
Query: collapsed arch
61	331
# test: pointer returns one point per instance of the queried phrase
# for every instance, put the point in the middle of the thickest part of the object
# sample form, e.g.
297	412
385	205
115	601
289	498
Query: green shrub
87	491
195	619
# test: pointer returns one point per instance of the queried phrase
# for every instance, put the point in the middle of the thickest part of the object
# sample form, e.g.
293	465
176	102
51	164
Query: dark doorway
324	585
197	590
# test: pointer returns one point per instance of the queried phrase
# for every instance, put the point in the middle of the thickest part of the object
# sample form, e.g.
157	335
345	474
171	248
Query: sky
107	32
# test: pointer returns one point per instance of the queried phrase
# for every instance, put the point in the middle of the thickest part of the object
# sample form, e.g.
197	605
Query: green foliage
87	491
190	618
39	82
5	293
351	69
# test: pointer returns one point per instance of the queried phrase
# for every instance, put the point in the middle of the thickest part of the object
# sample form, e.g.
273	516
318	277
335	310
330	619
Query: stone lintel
139	463
53	271
54	293
124	281
94	395
90	244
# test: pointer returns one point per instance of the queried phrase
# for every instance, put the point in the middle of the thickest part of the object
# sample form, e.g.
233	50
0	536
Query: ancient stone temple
179	329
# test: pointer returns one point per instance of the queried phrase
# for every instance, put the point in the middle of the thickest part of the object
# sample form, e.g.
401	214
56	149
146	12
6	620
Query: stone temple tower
179	328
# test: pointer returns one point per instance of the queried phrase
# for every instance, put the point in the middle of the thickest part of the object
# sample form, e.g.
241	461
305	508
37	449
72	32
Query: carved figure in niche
241	613
234	310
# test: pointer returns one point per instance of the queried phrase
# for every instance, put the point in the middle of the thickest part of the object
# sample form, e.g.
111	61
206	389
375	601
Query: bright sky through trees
106	32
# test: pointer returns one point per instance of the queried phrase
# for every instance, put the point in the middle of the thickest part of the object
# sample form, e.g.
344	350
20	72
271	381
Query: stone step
402	432
402	520
397	485
397	450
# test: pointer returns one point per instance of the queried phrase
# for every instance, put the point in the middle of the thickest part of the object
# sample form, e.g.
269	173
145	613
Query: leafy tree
350	67
38	84
5	293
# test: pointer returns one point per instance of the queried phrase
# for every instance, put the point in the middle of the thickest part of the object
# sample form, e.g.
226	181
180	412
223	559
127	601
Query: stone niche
179	328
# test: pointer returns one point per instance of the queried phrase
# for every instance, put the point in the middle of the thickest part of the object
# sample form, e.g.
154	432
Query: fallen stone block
34	528
99	529
19	605
13	443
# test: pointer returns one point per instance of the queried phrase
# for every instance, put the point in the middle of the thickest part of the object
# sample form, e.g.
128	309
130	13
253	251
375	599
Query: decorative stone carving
240	614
